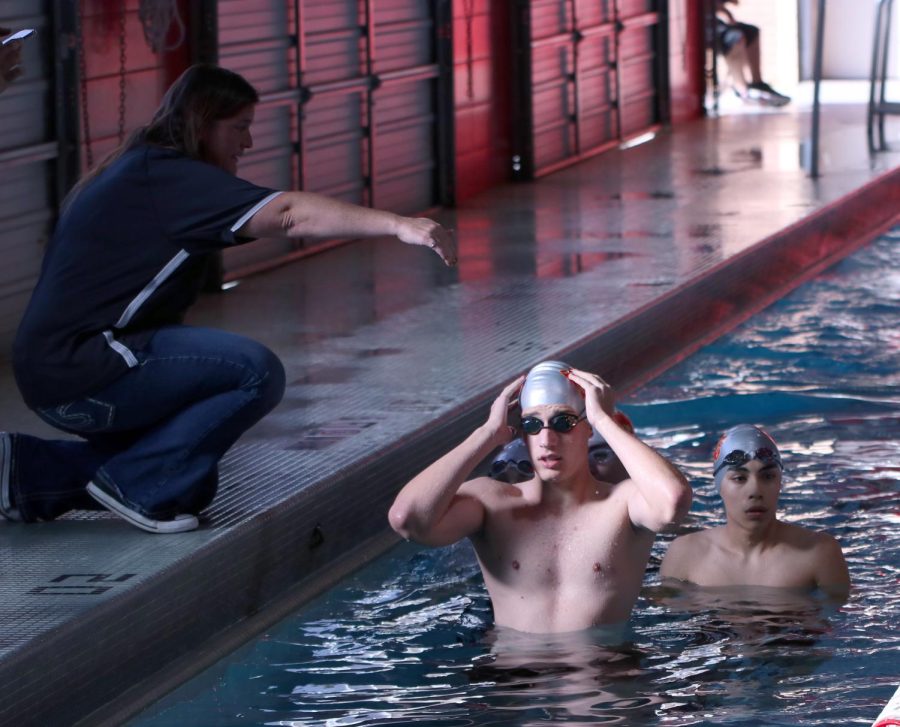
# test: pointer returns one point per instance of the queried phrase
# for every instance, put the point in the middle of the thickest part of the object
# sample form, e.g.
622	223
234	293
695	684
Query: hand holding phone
19	35
11	56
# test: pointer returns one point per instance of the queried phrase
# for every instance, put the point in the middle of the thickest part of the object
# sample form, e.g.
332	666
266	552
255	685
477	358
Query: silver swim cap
545	384
739	445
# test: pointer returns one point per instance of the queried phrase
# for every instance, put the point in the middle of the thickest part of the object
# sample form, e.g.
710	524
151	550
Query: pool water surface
409	639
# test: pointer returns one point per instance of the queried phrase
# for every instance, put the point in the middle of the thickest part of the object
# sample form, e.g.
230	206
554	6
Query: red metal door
589	75
639	64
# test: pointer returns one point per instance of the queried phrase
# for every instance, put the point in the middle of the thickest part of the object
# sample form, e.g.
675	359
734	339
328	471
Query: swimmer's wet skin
560	551
755	548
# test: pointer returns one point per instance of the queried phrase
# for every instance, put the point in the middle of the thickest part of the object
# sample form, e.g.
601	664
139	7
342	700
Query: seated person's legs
732	45
739	44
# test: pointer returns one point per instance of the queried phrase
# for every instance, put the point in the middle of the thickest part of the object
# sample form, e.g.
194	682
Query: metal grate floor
619	263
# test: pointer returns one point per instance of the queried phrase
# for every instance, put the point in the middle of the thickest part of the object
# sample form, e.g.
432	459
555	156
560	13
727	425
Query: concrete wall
788	33
849	32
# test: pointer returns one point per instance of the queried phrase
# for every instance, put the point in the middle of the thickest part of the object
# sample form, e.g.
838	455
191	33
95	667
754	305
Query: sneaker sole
181	523
6	508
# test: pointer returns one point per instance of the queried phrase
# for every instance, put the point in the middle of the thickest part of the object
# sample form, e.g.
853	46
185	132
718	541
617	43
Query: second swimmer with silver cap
754	547
560	551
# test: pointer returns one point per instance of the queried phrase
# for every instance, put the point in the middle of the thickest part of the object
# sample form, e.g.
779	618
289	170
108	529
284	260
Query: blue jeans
157	433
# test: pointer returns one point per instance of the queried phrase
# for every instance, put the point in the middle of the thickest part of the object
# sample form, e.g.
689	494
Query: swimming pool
408	639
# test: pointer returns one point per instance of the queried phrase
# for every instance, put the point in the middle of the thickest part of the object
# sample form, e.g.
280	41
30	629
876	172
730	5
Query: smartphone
19	35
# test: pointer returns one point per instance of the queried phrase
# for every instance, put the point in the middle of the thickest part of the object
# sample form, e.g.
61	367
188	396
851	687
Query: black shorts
729	34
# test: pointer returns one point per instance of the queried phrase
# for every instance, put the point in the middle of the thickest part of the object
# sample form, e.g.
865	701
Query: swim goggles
600	453
501	466
737	457
561	423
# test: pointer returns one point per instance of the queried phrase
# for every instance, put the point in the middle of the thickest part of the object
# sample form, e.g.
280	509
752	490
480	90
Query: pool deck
623	264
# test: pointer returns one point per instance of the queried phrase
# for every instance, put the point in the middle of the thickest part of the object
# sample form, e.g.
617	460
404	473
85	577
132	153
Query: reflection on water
412	643
409	640
597	675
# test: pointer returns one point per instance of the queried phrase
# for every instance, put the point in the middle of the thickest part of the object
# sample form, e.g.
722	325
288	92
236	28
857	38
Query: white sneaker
766	95
179	524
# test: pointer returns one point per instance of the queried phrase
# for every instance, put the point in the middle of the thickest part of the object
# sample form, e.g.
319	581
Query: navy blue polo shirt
127	257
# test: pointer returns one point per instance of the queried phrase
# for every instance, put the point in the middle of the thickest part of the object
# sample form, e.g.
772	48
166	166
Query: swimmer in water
603	462
513	463
560	551
753	547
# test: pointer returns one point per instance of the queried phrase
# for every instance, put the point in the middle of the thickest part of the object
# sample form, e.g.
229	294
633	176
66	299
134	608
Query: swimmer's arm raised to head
661	494
305	214
832	574
429	509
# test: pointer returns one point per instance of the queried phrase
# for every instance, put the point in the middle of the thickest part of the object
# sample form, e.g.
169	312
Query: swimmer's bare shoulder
686	553
822	556
500	504
801	538
491	493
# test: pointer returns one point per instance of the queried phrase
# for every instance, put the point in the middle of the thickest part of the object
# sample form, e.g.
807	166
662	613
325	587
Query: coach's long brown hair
203	94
